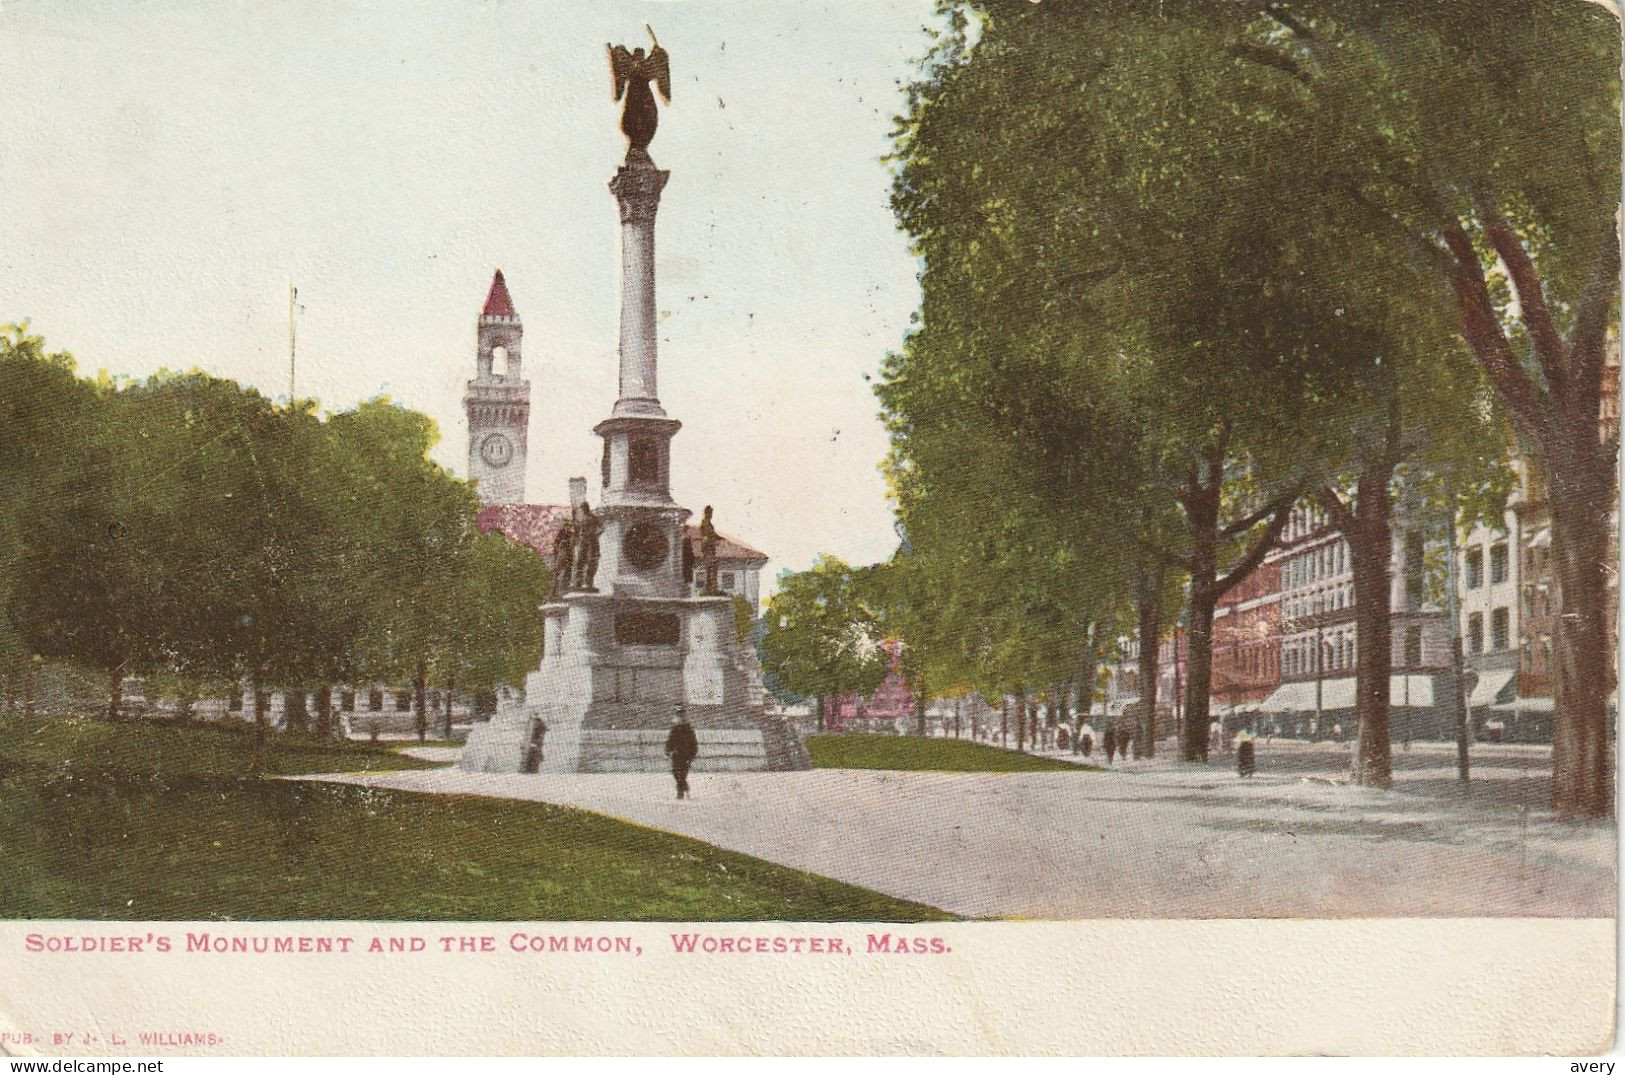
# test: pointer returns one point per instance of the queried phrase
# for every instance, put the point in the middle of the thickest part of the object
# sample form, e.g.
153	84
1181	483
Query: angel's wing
620	68
659	67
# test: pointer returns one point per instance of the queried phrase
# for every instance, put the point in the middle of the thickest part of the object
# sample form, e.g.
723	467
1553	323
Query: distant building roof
497	302
537	526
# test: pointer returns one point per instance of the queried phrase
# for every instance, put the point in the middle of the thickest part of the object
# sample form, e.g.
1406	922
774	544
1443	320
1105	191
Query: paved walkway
1153	839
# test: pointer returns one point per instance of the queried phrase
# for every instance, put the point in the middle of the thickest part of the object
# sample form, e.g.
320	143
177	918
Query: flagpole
293	294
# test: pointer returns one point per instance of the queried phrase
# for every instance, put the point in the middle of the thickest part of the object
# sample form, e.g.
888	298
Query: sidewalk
1152	839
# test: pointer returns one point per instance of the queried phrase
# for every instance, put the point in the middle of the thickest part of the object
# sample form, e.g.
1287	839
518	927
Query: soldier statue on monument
564	564
588	528
708	553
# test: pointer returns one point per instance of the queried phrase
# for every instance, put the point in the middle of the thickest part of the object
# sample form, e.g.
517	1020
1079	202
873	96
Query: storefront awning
1492	688
1413	691
1524	705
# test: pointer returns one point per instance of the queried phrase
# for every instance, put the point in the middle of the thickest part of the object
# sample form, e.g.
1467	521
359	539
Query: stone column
637	186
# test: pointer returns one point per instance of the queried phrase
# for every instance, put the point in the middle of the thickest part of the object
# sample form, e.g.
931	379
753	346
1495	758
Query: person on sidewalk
1246	753
681	746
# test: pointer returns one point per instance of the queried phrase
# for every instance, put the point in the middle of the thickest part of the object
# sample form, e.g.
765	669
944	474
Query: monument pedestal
614	671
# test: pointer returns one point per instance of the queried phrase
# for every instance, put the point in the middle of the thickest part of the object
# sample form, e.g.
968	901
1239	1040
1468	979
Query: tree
420	519
821	638
44	409
486	629
1137	371
95	576
1316	196
1448	127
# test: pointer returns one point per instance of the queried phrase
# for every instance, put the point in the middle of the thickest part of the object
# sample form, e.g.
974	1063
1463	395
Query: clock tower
498	402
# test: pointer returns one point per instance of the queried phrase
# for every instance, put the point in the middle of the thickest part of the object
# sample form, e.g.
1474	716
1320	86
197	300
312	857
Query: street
1152	839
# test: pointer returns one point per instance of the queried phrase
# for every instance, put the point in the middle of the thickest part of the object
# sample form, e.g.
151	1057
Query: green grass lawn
941	755
151	821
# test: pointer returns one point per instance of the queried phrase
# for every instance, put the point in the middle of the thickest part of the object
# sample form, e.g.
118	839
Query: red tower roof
497	302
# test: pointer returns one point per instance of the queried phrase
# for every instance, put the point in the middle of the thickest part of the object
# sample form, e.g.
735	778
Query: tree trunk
1149	602
1198	668
262	714
1200	501
1370	541
818	704
420	702
295	716
450	686
1558	422
1582	766
1086	688
115	694
1004	720
324	712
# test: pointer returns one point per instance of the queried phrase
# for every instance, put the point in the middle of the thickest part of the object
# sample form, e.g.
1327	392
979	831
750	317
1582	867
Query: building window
726	580
234	704
1498	562
375	700
1475	569
1500	632
1413	647
1475	633
403	701
346	701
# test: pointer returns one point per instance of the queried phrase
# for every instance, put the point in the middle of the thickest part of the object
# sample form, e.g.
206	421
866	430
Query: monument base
613	673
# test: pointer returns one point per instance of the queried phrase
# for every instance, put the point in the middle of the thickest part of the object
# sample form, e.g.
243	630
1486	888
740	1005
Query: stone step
658	738
702	764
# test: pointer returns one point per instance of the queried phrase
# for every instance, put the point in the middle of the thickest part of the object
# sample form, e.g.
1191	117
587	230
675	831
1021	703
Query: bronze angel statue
633	71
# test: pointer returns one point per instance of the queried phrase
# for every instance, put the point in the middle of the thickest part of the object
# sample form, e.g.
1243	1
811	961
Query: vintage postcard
1030	526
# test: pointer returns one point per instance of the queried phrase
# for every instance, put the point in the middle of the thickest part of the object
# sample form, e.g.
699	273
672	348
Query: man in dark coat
681	745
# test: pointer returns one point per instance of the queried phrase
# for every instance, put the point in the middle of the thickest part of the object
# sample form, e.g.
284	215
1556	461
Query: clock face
496	450
644	546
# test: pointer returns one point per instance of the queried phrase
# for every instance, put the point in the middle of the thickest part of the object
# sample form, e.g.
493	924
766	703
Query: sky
169	167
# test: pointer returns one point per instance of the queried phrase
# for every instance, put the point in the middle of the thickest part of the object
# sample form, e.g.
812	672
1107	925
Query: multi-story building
1319	647
1492	564
1247	644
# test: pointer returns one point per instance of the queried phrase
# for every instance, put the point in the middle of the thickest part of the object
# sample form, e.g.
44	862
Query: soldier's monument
628	642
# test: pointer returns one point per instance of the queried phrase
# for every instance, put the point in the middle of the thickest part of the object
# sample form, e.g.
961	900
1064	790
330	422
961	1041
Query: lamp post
1320	707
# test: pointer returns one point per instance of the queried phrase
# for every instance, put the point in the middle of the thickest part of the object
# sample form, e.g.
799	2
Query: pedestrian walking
1246	755
681	746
